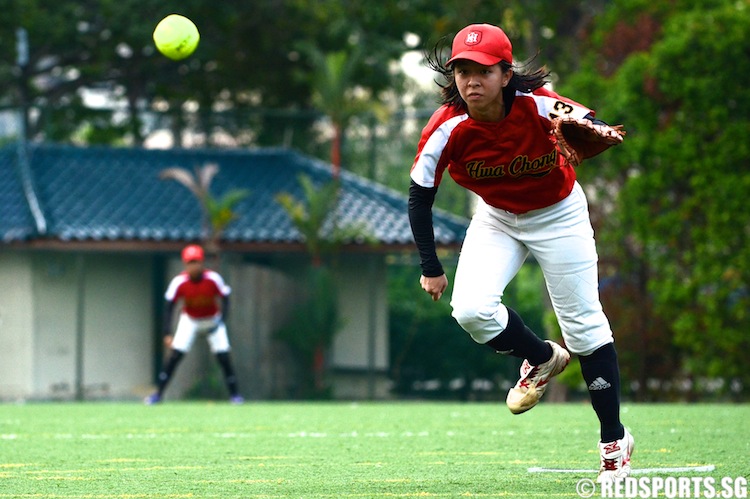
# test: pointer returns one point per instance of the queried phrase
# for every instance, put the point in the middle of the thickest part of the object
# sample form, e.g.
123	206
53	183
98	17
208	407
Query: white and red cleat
533	382
615	458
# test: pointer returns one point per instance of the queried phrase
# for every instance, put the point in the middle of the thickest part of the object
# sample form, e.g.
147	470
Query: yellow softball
176	36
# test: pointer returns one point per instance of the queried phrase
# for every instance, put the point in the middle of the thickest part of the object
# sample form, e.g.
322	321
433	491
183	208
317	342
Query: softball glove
577	139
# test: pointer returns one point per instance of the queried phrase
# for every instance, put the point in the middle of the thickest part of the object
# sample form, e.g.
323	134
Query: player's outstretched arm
421	199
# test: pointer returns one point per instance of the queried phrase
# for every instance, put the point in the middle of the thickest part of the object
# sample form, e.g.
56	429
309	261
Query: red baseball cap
192	253
482	43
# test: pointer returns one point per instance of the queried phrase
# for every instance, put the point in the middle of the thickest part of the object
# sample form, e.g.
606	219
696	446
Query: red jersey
199	297
511	164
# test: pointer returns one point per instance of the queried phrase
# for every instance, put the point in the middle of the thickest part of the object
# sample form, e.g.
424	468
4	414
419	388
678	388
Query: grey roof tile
16	222
106	194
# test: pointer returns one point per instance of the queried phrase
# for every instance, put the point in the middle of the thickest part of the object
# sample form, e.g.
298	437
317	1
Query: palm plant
218	212
335	94
314	323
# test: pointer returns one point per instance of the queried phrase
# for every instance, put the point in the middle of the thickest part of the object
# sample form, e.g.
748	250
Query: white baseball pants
188	328
561	239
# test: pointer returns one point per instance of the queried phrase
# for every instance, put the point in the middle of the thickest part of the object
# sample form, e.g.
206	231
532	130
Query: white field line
643	471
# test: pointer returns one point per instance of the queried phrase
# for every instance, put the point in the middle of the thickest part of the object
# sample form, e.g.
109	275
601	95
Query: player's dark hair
525	78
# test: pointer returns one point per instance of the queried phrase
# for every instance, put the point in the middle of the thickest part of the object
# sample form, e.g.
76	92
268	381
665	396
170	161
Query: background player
205	302
492	135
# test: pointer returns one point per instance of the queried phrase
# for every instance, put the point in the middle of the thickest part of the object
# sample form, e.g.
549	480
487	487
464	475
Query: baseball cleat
615	458
236	400
533	382
152	399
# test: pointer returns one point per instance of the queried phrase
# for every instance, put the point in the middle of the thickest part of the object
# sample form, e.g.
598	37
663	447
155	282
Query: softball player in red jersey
492	136
205	299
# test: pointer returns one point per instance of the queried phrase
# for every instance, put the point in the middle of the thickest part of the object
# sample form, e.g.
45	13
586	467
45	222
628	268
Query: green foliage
314	216
680	226
218	212
427	343
315	321
249	58
310	329
310	214
221	209
333	78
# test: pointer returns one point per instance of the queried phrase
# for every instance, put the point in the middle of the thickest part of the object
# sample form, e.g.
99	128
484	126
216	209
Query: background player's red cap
482	43
192	253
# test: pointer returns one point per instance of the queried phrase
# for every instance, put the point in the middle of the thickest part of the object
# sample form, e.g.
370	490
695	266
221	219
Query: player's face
194	268
481	87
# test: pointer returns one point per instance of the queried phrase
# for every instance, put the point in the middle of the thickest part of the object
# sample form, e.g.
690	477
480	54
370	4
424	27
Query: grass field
342	450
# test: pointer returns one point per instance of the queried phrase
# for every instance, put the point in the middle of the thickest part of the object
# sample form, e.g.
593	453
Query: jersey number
560	108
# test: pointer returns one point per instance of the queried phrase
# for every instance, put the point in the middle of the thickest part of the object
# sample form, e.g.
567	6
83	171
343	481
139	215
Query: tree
332	94
251	69
679	224
248	61
218	212
312	325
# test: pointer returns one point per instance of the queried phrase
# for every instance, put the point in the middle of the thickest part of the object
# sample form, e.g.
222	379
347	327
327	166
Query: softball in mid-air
176	36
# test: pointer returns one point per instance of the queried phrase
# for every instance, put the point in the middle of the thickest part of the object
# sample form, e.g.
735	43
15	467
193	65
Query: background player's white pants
188	328
561	239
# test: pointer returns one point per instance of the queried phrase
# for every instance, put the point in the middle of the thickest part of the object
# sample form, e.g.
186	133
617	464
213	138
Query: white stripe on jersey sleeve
550	107
425	167
173	285
224	289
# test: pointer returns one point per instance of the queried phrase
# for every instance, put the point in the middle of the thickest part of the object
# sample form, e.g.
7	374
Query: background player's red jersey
199	297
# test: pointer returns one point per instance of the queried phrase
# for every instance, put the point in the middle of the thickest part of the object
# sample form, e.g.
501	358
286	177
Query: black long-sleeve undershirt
421	200
595	121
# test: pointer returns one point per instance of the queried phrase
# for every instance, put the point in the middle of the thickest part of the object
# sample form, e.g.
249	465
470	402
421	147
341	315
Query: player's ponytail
434	59
526	78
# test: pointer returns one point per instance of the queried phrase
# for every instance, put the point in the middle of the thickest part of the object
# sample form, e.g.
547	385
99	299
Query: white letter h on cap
472	38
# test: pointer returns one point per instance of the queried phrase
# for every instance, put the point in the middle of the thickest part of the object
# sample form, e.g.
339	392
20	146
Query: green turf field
340	450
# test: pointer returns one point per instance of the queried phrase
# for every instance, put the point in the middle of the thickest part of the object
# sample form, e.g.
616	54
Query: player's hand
168	341
434	285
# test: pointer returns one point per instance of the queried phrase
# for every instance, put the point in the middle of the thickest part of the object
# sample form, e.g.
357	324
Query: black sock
602	375
229	376
520	341
166	373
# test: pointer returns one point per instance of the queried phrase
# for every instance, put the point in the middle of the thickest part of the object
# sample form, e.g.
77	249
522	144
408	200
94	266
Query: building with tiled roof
90	236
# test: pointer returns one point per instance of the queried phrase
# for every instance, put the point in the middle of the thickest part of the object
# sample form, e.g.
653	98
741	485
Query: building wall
362	342
266	296
119	324
16	325
360	350
55	301
85	326
92	324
